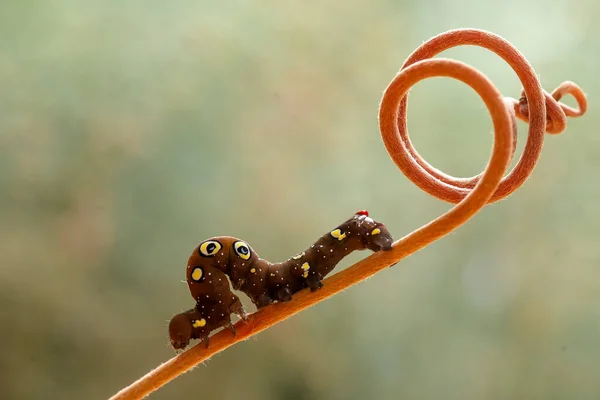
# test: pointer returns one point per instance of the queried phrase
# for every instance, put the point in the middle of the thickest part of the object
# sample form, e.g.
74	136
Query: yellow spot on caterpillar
338	234
376	231
305	274
298	256
197	274
199	323
253	270
305	266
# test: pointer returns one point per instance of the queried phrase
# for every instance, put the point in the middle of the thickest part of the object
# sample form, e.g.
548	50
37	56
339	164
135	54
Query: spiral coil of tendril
542	110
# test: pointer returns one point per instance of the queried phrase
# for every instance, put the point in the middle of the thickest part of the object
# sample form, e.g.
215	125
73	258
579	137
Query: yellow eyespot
253	270
199	323
376	231
337	233
210	248
197	274
242	250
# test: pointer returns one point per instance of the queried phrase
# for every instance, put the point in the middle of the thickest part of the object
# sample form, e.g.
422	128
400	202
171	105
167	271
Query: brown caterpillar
264	282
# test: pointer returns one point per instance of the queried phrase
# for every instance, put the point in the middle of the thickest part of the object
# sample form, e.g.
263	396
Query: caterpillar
217	258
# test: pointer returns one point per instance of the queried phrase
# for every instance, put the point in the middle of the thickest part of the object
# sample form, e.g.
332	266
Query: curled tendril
542	110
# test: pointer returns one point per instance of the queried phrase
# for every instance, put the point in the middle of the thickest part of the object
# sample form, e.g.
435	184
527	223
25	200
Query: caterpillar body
217	258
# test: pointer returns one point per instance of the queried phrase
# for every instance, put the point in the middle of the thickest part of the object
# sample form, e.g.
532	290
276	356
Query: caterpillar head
188	325
181	330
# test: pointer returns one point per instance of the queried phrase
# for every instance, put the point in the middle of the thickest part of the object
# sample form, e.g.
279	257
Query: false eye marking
199	323
209	248
197	274
242	250
376	231
338	234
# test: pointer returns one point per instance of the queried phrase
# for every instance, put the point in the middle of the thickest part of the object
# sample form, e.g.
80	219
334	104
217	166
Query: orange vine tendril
544	114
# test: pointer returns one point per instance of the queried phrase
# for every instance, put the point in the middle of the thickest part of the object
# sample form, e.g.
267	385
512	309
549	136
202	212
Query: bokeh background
129	131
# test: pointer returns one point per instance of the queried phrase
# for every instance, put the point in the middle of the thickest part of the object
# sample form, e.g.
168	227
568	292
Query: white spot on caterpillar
368	219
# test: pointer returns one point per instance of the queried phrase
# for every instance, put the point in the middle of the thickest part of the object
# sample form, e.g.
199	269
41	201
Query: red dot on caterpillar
362	212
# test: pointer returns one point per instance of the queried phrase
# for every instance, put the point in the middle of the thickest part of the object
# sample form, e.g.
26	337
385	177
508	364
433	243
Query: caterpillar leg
284	294
262	300
238	309
314	281
231	328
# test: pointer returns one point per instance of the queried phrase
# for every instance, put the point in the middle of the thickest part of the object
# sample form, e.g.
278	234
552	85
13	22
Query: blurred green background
130	131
